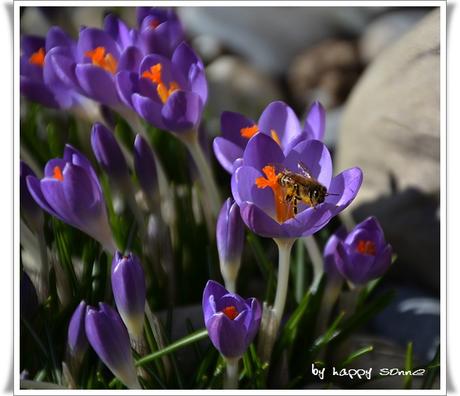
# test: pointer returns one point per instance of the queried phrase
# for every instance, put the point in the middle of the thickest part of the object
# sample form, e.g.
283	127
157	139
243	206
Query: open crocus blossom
269	209
128	286
39	81
70	191
108	336
278	121
232	321
363	255
160	30
168	93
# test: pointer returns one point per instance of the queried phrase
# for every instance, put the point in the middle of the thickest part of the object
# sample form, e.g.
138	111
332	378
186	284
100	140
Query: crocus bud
28	297
329	253
70	191
128	286
109	155
31	212
230	241
232	321
144	164
108	336
363	255
76	336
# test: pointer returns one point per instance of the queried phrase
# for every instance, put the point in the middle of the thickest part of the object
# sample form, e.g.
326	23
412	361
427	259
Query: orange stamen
230	312
100	58
38	58
154	75
275	137
366	247
284	211
57	173
154	23
249	131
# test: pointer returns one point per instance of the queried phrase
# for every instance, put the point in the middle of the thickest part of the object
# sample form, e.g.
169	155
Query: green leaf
432	371
408	365
183	342
355	355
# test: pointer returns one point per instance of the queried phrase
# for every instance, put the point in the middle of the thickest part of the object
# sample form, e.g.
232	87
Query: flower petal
97	83
231	124
216	290
91	38
316	121
261	223
182	111
226	152
130	59
262	150
228	336
149	110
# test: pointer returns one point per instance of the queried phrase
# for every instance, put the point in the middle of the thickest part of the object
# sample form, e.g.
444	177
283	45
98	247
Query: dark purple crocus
32	213
230	241
76	335
278	120
232	321
262	201
39	80
363	255
109	155
128	286
160	31
168	93
144	164
329	252
108	337
70	191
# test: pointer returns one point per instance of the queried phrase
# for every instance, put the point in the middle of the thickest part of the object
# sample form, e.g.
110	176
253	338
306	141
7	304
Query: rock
326	72
234	85
391	129
387	29
270	37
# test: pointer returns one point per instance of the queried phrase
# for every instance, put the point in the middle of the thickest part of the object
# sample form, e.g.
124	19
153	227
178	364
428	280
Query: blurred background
376	71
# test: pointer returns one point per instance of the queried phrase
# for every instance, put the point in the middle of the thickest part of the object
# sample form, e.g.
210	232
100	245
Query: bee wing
304	169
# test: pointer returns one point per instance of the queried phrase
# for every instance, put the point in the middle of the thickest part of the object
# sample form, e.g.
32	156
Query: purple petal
127	84
130	59
144	164
97	83
182	111
149	110
226	152
316	121
56	37
279	117
346	185
91	38
253	325
76	335
33	184
31	44
60	65
231	124
262	150
329	251
118	30
215	290
261	223
228	336
38	92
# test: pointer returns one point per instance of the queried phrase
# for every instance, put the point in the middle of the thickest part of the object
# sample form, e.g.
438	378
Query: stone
391	129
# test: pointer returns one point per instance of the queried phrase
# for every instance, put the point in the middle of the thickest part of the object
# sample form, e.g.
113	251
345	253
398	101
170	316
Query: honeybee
302	187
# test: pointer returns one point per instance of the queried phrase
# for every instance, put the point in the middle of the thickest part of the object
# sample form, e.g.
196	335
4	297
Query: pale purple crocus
30	211
329	251
278	121
364	254
263	206
109	338
232	322
70	191
145	167
128	286
76	335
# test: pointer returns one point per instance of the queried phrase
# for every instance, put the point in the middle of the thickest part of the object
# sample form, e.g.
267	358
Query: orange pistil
275	137
154	23
100	58
249	131
38	58
284	211
154	75
366	247
57	173
230	312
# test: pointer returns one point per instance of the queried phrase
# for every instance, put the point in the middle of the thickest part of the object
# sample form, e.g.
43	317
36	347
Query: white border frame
443	185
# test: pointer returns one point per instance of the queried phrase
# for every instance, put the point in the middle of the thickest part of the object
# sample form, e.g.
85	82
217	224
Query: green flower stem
207	177
231	373
317	260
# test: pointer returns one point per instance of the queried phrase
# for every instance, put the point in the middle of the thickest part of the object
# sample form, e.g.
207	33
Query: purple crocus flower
168	93
128	286
363	255
230	241
144	164
263	202
160	30
70	191
76	336
329	252
278	120
29	208
108	153
108	336
232	321
39	79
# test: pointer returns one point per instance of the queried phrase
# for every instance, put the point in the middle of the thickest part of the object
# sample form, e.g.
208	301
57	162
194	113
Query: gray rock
391	129
269	37
387	29
234	85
